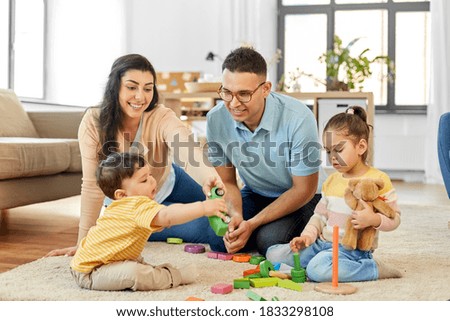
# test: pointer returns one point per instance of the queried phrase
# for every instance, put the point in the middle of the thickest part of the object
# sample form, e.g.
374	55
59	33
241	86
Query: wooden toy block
297	265
254	296
289	284
193	298
219	227
251	271
241	257
276	266
243	283
263	282
212	255
225	256
256	259
194	248
265	267
221	288
174	240
279	274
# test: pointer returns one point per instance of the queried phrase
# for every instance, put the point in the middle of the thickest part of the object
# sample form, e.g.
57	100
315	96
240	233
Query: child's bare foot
188	274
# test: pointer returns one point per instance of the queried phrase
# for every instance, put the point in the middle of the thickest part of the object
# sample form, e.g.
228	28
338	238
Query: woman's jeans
354	265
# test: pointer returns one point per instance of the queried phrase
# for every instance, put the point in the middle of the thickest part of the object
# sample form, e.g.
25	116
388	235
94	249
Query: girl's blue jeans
354	265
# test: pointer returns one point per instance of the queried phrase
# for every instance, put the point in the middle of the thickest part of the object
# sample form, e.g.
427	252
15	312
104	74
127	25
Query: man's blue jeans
279	231
354	265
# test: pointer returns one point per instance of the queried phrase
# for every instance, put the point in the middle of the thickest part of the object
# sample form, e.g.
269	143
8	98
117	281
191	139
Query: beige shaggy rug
419	248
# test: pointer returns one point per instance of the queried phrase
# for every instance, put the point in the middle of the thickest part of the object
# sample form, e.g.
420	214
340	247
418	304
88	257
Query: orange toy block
242	258
251	271
193	298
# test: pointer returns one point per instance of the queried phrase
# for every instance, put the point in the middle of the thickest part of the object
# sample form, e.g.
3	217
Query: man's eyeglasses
242	96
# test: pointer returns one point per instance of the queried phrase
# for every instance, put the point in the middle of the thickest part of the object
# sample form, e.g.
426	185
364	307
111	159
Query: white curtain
440	84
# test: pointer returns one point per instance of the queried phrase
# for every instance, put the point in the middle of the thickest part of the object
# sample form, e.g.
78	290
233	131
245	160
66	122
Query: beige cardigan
160	129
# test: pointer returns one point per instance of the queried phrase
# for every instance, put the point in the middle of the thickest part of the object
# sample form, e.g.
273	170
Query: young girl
345	140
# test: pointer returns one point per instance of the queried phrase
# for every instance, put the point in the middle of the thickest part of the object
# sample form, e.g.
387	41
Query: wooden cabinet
194	106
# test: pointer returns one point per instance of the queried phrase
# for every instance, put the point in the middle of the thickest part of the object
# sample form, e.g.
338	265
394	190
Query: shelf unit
177	102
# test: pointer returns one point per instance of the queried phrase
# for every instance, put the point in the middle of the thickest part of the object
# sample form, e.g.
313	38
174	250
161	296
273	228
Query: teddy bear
366	189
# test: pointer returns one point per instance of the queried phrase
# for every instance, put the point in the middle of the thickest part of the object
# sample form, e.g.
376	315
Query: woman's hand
68	251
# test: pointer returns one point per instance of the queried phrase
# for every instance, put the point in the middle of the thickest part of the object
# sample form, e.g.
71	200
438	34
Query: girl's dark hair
245	59
352	123
115	168
111	115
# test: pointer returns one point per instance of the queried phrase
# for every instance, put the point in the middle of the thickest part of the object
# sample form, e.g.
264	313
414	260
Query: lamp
211	56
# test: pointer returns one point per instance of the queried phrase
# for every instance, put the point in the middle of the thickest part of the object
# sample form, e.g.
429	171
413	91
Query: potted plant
345	72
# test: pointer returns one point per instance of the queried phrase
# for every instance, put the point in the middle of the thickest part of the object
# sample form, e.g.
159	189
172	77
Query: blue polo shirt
285	144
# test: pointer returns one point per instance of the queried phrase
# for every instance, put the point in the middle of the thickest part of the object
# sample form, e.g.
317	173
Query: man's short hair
115	168
245	59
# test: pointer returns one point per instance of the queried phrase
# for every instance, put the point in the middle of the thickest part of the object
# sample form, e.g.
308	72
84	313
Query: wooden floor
29	232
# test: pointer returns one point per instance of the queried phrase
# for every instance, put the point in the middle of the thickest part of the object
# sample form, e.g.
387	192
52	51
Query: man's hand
68	251
237	235
211	182
365	217
299	243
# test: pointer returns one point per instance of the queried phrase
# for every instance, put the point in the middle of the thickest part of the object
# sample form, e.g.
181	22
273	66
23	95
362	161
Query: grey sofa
39	153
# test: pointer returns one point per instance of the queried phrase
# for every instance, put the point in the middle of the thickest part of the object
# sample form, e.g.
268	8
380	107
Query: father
272	141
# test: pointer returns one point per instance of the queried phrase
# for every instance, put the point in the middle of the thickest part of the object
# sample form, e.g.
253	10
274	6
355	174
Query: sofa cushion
26	157
14	121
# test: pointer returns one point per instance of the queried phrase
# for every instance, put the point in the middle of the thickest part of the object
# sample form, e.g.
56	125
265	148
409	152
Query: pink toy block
194	248
212	255
222	288
225	256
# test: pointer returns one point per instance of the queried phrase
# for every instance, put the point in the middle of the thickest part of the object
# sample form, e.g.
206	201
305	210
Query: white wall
176	35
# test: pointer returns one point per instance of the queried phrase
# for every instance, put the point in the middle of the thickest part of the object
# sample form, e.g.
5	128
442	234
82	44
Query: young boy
109	257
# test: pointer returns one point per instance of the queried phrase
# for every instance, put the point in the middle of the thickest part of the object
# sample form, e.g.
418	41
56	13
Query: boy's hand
215	207
299	243
210	183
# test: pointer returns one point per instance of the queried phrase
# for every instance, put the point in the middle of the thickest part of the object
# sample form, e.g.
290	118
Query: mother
130	117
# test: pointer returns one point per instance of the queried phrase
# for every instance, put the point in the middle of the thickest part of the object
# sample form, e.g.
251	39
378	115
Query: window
396	28
22	47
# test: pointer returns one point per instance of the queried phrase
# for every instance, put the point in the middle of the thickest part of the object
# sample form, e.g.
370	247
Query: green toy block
298	276
263	282
288	284
275	299
256	259
243	283
174	240
297	265
254	296
265	267
254	276
219	227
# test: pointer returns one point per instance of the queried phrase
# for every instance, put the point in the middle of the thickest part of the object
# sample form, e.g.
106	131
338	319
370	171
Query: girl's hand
68	251
299	243
365	217
215	207
211	182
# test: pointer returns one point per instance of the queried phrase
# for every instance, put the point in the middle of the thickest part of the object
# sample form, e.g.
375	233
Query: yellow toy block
289	284
263	282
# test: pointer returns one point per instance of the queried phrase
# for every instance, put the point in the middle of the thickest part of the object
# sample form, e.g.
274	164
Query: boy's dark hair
115	168
245	59
352	123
